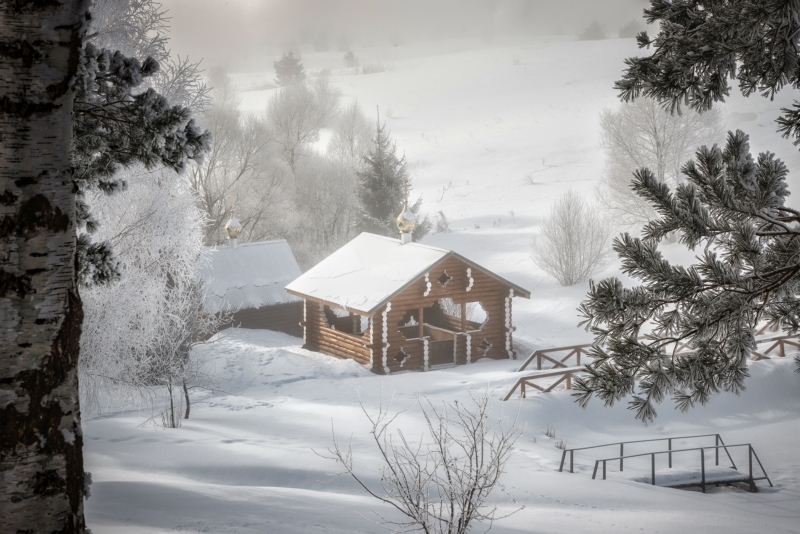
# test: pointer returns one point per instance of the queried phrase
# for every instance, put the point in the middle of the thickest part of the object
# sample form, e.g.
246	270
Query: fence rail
566	372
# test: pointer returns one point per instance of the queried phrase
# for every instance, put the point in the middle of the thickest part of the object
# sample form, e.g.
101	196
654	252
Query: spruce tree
289	70
381	185
731	211
381	189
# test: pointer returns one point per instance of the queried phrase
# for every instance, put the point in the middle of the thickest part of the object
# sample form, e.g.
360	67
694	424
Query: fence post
569	380
563	457
669	447
750	460
703	469
538	361
594	473
570	460
522	390
653	469
783	350
621	454
579	356
716	450
604	469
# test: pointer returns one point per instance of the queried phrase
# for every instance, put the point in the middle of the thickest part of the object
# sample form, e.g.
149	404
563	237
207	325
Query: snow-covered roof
369	270
250	275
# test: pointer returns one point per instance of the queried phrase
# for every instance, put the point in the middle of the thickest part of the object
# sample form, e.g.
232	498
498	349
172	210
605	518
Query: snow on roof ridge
240	245
438	249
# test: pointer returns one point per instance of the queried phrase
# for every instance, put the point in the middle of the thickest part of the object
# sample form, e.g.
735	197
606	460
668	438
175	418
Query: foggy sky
224	30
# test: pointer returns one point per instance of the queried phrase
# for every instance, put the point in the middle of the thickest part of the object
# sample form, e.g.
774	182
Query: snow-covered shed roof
371	269
251	275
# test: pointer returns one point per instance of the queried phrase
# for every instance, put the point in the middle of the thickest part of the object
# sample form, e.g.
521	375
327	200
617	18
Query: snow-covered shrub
295	117
327	98
441	483
573	244
441	224
241	171
137	332
373	68
352	136
325	205
350	59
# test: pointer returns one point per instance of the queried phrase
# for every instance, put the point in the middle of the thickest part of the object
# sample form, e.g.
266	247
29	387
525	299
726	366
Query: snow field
246	462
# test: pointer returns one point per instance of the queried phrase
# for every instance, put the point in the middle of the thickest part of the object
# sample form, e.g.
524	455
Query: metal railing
750	479
718	444
717	441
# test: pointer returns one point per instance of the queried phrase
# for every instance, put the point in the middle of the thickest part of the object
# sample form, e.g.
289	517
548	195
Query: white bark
41	466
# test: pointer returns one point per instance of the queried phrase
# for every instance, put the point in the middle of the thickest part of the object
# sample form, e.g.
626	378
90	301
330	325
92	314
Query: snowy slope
473	124
244	461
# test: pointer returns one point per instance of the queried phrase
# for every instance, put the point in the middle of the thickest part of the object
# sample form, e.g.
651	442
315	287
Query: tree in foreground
441	484
573	244
41	450
289	70
731	210
643	134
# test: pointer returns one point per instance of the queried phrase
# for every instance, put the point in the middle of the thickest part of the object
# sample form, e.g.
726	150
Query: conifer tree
731	211
115	127
381	188
289	70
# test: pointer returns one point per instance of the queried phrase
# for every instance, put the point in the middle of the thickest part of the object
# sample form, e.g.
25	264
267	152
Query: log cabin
393	305
249	280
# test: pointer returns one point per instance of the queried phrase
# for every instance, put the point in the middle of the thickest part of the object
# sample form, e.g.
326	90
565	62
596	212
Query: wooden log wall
322	338
464	285
284	318
483	288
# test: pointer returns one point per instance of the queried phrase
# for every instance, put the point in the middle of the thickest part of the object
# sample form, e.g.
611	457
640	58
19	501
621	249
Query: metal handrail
751	454
717	441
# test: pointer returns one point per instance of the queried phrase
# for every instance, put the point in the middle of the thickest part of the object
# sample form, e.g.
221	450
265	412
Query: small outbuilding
249	280
394	305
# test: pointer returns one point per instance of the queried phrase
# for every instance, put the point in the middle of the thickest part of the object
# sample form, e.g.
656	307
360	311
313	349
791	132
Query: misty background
245	35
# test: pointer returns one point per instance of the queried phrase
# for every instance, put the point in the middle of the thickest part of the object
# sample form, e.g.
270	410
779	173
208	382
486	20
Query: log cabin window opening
343	321
484	347
401	357
476	313
444	278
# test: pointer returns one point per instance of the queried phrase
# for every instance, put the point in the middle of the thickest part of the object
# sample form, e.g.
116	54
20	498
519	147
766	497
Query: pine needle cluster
732	212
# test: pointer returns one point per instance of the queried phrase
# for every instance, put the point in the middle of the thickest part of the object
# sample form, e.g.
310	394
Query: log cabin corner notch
379	301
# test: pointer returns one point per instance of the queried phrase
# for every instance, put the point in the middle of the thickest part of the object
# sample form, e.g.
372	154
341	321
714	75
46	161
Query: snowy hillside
473	124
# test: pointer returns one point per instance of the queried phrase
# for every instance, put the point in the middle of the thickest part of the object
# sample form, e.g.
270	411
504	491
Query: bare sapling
443	482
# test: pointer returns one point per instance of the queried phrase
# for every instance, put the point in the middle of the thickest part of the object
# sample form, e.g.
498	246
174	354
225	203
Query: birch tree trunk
41	459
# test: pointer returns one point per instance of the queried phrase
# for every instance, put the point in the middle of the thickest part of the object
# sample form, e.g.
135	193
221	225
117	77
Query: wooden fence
561	368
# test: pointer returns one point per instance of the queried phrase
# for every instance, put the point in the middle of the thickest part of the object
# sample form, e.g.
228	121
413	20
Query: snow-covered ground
245	461
473	122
